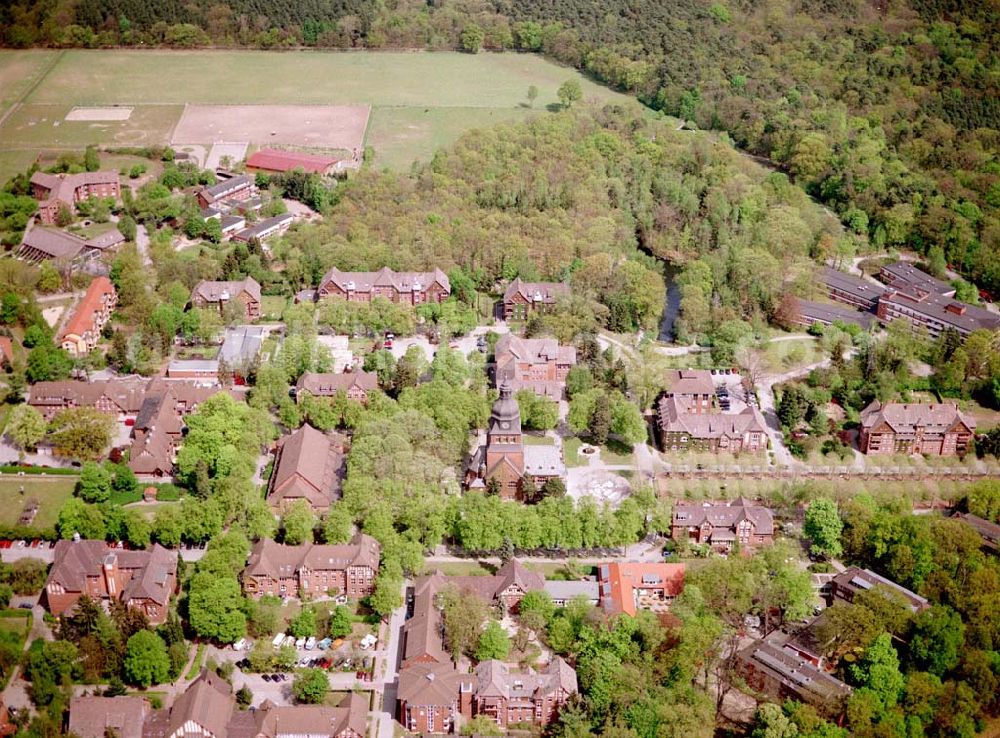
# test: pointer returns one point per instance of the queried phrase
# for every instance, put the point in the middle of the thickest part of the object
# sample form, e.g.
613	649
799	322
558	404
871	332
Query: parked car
300	642
289	641
266	677
278	640
241	644
310	643
324	644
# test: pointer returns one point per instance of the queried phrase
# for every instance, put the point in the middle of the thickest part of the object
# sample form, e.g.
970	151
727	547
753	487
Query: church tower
505	444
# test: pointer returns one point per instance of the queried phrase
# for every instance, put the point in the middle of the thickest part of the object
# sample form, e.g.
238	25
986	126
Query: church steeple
505	420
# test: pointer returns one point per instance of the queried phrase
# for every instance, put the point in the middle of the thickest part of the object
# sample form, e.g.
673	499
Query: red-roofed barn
274	161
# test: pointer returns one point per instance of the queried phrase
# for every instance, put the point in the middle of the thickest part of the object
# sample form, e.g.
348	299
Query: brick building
783	674
693	388
411	288
142	580
207	709
853	580
54	191
630	586
284	571
938	429
538	364
722	525
505	457
521	298
680	429
355	385
928	304
309	465
83	330
233	190
218	294
119	398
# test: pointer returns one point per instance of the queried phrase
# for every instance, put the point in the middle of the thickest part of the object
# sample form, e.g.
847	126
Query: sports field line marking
34	86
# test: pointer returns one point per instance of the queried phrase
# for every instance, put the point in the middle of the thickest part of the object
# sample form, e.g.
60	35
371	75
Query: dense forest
887	112
586	196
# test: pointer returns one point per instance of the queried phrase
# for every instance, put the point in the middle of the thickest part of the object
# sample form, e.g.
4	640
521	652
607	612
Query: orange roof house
625	587
82	331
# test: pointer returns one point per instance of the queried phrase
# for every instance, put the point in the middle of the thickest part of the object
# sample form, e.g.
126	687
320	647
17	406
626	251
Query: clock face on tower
505	426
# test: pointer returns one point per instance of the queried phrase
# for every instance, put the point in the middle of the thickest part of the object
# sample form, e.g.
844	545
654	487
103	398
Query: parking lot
730	395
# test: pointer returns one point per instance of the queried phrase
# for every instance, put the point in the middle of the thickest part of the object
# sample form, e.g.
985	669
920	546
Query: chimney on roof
955	307
430	677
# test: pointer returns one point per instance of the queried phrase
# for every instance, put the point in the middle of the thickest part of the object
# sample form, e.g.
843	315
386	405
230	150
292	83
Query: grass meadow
50	491
420	100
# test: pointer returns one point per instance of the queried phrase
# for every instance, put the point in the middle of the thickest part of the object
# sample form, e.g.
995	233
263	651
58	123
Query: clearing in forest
418	101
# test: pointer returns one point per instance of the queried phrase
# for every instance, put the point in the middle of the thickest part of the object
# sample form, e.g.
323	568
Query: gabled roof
75	561
215	291
672	418
309	466
207	702
856	579
98	292
274	160
429	684
152	454
619	580
385	277
533	350
328	384
63	187
276	560
905	418
53	243
91	717
313	720
226	187
513	573
535	292
725	515
126	394
690	382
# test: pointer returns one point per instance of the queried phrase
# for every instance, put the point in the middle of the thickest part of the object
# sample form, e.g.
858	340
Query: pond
671	303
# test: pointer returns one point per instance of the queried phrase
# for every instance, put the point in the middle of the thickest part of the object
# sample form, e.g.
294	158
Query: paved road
382	718
142	245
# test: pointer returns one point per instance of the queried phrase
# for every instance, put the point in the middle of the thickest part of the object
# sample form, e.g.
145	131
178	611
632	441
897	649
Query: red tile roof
273	160
618	580
92	302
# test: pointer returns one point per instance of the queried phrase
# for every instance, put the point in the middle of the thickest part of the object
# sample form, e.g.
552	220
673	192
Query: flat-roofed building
809	313
850	289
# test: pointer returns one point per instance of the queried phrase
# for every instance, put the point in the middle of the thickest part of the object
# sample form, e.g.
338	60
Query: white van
241	644
278	639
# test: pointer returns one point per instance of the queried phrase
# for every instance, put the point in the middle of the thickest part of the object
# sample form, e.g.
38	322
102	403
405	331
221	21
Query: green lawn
420	101
19	70
571	452
531	440
93	230
51	493
272	306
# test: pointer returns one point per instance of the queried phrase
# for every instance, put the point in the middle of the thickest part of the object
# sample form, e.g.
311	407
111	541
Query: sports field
418	100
